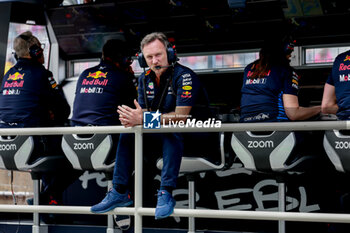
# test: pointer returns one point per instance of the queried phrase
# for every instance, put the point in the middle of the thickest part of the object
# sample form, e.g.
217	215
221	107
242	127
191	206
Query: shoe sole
123	222
112	207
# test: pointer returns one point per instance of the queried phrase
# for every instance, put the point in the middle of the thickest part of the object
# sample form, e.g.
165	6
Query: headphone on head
123	60
117	50
171	54
35	51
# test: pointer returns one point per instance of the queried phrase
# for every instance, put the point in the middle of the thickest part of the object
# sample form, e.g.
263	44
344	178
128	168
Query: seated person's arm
329	100
57	103
130	117
295	112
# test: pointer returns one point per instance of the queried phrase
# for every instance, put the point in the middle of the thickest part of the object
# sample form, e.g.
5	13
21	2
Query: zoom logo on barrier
8	147
260	144
151	120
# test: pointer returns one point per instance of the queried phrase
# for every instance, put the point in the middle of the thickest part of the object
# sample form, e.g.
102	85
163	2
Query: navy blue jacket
340	79
262	97
100	90
30	96
185	89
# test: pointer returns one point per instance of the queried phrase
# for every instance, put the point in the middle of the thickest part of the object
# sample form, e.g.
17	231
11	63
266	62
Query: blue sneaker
165	204
112	200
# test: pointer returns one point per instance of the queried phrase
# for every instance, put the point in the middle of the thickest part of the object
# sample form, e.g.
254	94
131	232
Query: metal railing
138	211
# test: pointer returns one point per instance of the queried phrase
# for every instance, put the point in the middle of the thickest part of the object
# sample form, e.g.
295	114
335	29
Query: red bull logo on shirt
15	76
347	58
344	67
186	94
250	73
95	82
97	74
13	84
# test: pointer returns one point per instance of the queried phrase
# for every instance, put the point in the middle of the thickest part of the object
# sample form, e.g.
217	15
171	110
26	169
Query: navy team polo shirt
100	90
185	89
340	79
262	97
26	93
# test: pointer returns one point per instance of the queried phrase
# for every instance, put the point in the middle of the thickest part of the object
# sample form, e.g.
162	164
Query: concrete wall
22	186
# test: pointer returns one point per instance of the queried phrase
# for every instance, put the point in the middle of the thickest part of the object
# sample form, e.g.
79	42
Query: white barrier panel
138	211
269	126
198	213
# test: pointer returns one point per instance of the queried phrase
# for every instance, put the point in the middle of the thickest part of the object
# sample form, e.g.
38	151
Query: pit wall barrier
138	211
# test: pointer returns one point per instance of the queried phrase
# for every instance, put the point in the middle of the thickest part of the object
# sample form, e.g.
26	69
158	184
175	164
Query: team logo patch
187	88
151	120
186	94
97	74
148	72
89	90
344	78
260	116
187	83
256	81
250	73
343	67
11	92
15	76
52	82
347	58
150	85
96	82
13	84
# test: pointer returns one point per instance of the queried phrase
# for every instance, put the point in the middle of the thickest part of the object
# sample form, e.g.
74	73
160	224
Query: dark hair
149	38
271	54
116	50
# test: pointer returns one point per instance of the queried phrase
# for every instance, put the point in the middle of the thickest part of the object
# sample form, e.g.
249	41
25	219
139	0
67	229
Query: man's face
155	55
289	57
41	59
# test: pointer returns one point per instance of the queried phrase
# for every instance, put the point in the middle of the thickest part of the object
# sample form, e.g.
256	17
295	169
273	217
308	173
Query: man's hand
130	117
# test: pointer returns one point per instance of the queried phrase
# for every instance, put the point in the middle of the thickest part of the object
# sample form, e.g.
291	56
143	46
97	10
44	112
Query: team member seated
336	98
270	88
30	97
102	88
173	90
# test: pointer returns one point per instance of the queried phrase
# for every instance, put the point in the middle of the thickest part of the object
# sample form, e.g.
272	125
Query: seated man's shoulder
183	68
185	72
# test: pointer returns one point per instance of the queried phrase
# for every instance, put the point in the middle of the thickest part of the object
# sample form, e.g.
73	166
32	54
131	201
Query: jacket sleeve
57	103
129	90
